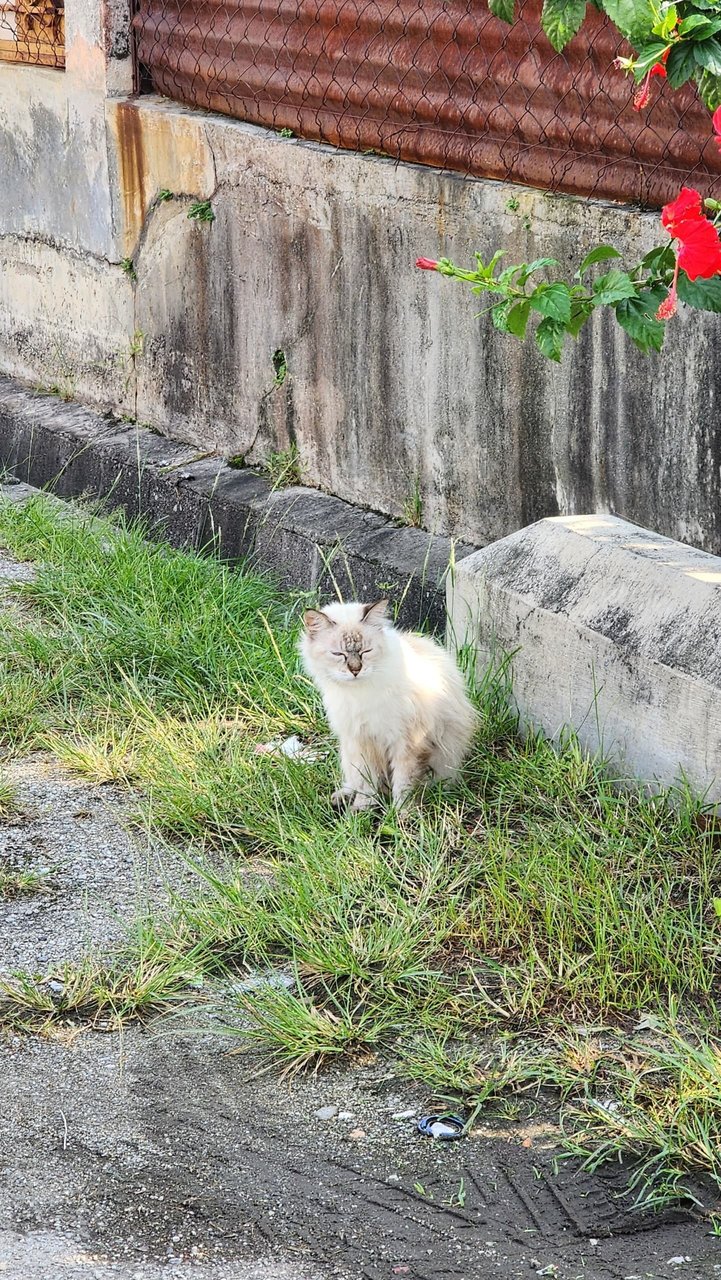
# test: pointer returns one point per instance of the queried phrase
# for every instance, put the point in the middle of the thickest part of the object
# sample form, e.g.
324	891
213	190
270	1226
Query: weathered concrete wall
392	381
66	307
613	631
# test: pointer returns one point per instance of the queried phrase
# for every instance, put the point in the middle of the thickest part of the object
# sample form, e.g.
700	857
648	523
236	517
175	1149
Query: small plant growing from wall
164	195
201	211
413	506
280	368
283	467
128	267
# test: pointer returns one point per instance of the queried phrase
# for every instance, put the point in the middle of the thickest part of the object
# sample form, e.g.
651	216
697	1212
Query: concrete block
614	630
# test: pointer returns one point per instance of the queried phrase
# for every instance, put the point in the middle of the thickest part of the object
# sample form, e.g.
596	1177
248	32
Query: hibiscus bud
427	264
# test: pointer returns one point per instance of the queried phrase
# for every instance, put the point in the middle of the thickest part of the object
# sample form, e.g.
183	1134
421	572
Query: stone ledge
304	538
614	630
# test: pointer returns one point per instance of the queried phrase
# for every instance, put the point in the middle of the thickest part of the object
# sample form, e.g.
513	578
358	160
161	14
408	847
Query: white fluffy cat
396	701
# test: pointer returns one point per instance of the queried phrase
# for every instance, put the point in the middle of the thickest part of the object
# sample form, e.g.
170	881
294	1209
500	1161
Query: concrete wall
392	381
66	307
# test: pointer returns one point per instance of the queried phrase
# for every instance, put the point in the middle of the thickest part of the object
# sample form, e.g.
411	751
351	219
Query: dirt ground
157	1152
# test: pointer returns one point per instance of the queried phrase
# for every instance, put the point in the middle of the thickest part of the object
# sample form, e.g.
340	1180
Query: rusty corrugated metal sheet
440	82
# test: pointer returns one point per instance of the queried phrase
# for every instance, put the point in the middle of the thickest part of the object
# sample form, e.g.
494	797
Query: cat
396	701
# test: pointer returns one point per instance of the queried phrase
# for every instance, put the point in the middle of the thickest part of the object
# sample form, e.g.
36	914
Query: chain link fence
439	82
33	31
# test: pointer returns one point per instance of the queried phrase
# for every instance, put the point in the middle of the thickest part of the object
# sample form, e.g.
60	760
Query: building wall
392	380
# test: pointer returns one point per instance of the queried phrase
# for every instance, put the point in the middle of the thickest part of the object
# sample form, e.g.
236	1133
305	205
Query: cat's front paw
341	798
363	801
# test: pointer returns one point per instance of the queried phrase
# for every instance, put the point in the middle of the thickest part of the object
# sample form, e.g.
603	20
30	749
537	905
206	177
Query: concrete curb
304	538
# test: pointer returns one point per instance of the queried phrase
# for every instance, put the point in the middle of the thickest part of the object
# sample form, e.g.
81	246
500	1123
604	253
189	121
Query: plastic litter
291	747
443	1128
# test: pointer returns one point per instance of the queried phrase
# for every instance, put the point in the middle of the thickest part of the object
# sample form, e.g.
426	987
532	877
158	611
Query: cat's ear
375	613
316	621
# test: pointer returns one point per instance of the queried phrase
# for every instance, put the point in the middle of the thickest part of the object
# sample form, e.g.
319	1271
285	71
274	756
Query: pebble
345	1115
326	1113
357	1134
679	1260
404	1115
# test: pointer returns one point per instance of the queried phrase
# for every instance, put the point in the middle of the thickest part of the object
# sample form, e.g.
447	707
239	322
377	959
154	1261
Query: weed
8	798
286	133
142	979
280	368
283	467
201	211
136	345
164	195
16	883
513	205
237	462
128	267
459	1199
413	506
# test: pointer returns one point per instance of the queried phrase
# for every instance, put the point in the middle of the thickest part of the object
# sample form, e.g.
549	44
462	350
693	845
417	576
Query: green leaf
549	338
667	24
699	26
703	294
717	906
613	287
529	268
599	254
552	300
709	87
634	18
681	63
561	19
647	57
638	317
708	55
662	258
499	316
517	318
580	311
504	9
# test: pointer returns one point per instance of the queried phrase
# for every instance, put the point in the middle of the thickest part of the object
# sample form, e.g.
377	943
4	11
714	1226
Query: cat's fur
396	701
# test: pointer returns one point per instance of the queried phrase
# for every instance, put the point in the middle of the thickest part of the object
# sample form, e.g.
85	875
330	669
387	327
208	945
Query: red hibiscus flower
699	246
716	119
427	264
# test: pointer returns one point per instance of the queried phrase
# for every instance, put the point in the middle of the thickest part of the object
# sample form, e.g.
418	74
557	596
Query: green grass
463	936
17	883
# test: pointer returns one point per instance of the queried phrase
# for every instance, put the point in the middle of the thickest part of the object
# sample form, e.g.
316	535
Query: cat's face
346	641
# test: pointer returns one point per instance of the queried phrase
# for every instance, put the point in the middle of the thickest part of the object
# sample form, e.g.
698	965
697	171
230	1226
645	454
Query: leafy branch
682	37
562	309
